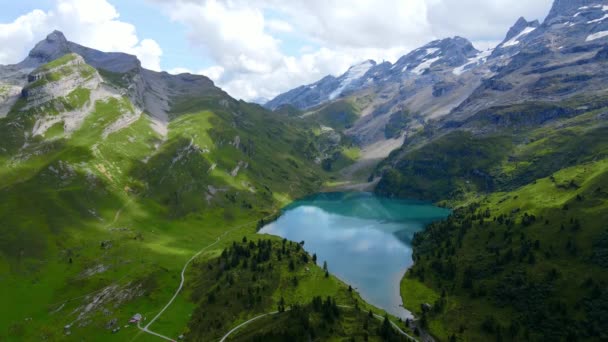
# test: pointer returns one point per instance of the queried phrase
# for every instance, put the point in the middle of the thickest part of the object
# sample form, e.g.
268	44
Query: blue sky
147	18
258	48
151	23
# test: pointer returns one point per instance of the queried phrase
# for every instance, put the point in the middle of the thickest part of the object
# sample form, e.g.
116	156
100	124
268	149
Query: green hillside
522	257
262	276
100	211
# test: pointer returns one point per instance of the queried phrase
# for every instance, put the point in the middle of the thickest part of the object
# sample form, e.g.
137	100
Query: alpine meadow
450	192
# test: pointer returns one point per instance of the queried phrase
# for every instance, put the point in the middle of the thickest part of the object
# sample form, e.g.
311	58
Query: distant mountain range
449	80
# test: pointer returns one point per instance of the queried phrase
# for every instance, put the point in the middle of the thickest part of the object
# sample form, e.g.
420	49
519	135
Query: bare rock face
567	7
9	94
448	80
520	26
45	85
56	45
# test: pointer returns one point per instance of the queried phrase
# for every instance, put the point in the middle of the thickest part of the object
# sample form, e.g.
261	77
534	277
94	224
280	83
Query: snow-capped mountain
327	89
440	54
563	57
448	79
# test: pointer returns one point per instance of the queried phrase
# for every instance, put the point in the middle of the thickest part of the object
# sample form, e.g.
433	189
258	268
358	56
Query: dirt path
146	328
395	326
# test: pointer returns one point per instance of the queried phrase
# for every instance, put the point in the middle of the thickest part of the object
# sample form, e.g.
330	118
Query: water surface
365	239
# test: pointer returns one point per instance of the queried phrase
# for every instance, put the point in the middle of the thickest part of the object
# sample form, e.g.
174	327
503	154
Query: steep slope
562	58
327	89
523	160
253	277
112	176
378	105
441	85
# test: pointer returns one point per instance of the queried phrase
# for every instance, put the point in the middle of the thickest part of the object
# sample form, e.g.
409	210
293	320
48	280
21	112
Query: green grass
251	280
252	277
339	115
61	61
414	294
61	197
304	322
521	257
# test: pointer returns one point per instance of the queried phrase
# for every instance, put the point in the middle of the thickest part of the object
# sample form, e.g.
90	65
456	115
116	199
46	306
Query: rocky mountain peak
520	26
453	51
56	36
54	46
458	45
568	7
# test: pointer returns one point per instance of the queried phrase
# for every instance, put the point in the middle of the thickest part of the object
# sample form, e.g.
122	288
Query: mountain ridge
110	181
448	80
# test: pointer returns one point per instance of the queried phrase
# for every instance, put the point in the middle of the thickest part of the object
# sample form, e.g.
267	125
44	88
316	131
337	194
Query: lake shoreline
366	239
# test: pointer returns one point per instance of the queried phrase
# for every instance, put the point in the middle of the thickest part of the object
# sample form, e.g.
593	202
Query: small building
135	319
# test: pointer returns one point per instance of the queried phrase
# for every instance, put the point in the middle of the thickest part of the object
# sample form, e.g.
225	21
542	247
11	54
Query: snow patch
479	59
422	67
596	35
515	40
598	20
353	74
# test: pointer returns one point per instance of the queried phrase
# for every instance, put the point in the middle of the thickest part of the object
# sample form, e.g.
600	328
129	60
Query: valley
453	195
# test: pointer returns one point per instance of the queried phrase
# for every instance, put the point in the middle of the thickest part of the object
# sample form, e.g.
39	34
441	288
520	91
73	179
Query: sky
258	49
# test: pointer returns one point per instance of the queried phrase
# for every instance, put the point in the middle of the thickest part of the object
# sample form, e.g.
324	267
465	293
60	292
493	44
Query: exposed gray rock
327	89
56	45
448	81
567	7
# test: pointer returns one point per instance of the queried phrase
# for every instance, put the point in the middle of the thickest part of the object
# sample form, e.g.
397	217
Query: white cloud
180	70
279	26
233	36
149	53
91	23
239	34
214	72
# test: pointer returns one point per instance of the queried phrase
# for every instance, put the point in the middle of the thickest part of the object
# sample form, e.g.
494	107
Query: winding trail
245	323
395	326
146	328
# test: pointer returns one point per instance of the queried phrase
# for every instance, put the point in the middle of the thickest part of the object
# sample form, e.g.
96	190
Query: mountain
523	161
327	89
568	7
112	176
515	140
447	80
369	102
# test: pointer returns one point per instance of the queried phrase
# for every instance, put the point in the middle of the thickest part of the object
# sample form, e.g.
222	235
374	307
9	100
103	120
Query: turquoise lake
365	239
